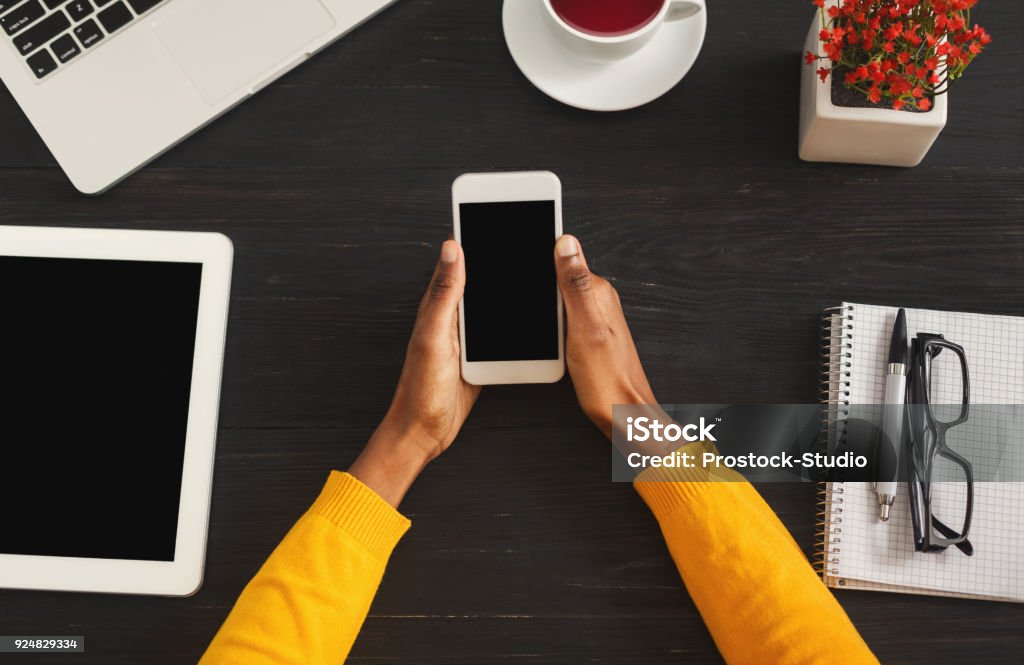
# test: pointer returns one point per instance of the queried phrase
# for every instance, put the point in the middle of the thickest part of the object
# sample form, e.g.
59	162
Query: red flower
875	94
818	3
924	104
893	31
898	85
823	72
810	58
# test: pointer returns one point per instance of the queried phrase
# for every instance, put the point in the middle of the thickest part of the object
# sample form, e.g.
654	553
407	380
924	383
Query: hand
432	400
602	358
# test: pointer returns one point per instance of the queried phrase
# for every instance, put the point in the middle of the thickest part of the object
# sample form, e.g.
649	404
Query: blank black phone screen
511	299
95	376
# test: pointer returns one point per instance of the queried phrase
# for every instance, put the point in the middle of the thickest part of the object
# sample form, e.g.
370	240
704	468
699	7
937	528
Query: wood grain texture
333	184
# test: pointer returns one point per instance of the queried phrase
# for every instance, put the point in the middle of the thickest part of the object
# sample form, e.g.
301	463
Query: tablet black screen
95	375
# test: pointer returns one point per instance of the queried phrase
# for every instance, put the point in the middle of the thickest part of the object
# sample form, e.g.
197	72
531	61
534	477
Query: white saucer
624	84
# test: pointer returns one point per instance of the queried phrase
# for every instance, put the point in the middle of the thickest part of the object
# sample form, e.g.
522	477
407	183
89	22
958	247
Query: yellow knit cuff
354	507
664	489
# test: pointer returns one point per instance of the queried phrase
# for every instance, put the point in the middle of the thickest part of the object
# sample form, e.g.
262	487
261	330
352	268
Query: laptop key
141	6
22	16
65	48
53	4
78	9
102	3
88	33
115	17
42	63
29	40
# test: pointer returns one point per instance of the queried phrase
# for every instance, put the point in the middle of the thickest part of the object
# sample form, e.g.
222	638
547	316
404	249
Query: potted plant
873	90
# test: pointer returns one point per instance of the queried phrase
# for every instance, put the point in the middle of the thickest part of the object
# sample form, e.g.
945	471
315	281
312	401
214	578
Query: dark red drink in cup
607	18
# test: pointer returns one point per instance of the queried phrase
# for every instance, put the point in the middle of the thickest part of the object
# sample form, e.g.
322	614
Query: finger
576	281
441	301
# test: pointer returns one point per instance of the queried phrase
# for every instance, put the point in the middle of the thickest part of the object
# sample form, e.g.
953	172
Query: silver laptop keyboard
51	33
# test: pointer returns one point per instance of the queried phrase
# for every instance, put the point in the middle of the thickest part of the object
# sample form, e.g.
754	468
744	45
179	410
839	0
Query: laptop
112	84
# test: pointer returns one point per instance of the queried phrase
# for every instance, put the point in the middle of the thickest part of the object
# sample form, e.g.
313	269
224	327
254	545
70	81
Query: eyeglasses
941	482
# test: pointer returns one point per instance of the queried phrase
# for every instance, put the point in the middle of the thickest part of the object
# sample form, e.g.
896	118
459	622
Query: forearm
758	595
393	458
308	601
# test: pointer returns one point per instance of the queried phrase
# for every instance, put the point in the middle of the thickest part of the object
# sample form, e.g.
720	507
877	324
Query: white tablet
111	345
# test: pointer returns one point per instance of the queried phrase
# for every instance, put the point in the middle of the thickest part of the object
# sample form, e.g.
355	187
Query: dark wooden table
334	186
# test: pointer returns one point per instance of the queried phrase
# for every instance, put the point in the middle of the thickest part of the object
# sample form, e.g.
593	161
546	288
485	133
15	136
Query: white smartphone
510	317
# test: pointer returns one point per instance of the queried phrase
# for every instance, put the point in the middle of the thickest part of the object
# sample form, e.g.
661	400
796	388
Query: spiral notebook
855	549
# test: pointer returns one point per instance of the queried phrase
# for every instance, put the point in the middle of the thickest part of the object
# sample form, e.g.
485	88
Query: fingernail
567	246
449	253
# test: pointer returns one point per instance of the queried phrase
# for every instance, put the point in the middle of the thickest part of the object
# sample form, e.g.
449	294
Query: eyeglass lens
948	491
945	381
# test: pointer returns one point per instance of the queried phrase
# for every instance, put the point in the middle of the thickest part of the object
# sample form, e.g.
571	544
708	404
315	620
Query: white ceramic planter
830	133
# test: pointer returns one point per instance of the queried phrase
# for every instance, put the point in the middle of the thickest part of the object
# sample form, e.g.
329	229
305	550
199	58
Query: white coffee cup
601	48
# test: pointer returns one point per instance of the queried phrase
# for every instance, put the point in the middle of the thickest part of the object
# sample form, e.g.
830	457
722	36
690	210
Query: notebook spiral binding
836	355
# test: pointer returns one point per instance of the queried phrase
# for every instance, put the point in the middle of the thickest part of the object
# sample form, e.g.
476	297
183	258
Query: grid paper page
878	555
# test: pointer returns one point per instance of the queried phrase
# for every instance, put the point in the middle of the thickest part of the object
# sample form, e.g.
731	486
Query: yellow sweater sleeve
307	603
758	595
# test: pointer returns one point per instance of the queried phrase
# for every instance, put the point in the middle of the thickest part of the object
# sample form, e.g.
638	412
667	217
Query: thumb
441	301
575	280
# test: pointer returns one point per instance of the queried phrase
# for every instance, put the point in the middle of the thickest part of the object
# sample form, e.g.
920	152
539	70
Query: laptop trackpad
224	44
